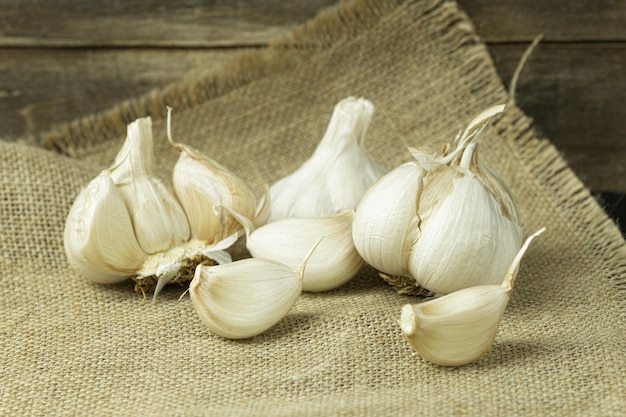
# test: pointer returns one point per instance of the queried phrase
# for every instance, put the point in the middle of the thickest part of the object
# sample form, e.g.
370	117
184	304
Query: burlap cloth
69	347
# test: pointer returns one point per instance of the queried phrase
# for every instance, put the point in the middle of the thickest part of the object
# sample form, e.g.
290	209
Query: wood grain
575	92
191	23
559	20
41	87
198	23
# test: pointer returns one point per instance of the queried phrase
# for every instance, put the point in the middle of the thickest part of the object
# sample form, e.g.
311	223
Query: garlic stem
468	152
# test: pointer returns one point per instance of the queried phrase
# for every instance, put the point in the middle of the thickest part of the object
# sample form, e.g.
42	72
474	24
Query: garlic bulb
287	241
458	328
127	224
338	173
447	222
244	298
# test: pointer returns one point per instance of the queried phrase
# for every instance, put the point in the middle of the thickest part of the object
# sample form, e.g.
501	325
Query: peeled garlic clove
201	184
245	298
338	173
158	219
458	328
386	222
99	240
287	241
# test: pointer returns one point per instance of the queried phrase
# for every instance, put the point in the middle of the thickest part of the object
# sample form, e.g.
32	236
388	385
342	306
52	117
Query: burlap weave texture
69	347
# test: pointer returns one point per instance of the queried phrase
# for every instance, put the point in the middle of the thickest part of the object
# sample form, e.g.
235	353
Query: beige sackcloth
70	347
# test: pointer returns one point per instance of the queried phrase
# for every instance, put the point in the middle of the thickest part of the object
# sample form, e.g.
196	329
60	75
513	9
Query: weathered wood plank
576	95
558	20
575	92
601	169
197	23
40	88
192	23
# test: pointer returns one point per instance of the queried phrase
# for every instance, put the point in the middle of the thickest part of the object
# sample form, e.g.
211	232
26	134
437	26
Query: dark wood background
63	59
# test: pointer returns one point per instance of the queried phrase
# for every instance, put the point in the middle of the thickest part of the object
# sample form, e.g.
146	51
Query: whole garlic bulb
447	222
338	173
127	224
287	241
458	328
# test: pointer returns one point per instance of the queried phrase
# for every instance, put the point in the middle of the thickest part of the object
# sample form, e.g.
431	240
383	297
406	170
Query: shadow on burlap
70	347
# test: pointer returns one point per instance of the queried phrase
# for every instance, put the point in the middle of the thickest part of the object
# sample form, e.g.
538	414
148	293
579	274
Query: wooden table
63	59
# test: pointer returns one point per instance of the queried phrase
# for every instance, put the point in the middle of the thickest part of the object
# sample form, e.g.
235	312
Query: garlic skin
287	241
458	328
245	298
447	222
338	173
99	240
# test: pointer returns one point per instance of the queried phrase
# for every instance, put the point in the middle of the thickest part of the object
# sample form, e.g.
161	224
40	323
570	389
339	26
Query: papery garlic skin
245	298
158	219
338	173
458	328
98	238
287	241
386	222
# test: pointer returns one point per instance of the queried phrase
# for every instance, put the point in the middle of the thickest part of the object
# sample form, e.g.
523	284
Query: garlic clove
338	173
201	184
464	242
245	298
334	262
470	229
386	222
458	328
158	219
98	238
455	330
242	299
